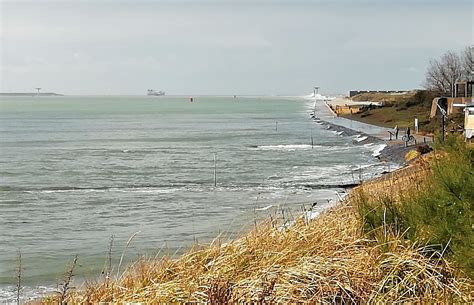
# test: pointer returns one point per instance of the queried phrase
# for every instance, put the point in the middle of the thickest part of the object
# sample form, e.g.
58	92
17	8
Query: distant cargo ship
155	93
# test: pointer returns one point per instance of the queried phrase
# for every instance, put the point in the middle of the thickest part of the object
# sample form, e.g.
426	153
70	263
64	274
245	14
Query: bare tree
467	60
453	68
443	73
434	77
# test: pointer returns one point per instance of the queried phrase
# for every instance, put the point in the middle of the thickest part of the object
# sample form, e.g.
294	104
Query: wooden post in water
18	283
312	142
215	169
276	125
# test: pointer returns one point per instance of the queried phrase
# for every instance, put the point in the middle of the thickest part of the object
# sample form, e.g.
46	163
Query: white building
469	122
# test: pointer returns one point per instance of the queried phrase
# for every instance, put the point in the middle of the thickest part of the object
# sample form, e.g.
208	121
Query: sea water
77	170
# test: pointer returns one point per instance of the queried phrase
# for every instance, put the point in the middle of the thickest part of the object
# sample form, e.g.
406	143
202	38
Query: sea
155	175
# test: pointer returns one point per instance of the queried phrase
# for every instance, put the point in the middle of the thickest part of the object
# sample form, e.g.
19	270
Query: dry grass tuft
326	260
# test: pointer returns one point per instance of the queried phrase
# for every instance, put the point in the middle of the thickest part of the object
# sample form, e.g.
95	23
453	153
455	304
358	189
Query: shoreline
338	183
329	251
391	152
348	132
394	151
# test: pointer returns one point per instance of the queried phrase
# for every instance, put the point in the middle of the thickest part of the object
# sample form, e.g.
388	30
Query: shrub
439	213
412	154
442	214
377	216
424	97
424	149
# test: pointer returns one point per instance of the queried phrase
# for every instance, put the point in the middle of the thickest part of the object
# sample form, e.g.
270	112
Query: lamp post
443	116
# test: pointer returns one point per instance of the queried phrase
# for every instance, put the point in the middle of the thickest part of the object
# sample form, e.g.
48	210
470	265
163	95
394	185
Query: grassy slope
384	97
440	212
399	109
391	116
333	258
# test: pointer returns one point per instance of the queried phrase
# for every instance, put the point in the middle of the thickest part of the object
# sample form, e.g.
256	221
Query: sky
279	47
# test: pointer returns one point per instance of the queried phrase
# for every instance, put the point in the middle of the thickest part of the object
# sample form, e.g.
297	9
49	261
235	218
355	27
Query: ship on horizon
152	92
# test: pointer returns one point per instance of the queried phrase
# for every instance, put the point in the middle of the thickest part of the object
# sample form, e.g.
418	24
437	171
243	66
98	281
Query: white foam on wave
265	208
8	293
360	138
378	149
67	191
359	167
336	174
147	190
283	147
317	97
294	147
113	189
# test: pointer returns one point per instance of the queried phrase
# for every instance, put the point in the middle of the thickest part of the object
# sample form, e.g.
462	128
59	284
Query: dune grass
440	211
364	250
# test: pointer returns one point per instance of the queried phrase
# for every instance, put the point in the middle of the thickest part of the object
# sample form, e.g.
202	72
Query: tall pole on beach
315	91
215	169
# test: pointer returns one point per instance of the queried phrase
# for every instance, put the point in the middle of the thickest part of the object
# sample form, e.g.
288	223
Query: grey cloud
225	47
